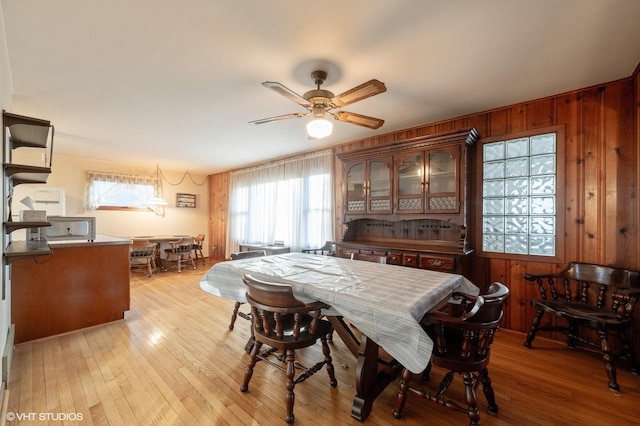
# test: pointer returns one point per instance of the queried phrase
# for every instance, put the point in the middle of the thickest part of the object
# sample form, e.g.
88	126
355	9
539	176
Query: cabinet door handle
436	262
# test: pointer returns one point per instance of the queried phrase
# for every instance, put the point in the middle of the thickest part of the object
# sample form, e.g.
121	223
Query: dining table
385	303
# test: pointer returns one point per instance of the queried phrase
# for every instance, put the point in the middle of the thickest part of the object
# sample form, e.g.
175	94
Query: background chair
284	323
142	254
236	256
593	305
328	249
181	251
198	243
462	345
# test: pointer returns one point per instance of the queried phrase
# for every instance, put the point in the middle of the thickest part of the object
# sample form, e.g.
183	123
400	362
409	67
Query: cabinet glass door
355	188
442	188
379	187
410	174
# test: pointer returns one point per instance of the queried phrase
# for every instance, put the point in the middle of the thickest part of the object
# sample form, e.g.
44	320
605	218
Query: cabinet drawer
396	258
409	259
438	263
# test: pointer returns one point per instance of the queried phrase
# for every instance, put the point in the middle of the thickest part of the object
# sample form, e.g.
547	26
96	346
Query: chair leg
534	327
248	372
328	361
488	391
426	373
290	397
401	398
234	315
472	400
609	367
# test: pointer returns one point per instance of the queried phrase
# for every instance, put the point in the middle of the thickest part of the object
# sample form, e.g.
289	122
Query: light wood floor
173	361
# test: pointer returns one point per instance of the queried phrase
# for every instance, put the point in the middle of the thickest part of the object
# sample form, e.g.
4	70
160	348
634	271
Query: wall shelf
31	133
12	226
25	249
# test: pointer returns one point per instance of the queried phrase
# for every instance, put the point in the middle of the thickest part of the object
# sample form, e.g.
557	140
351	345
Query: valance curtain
290	201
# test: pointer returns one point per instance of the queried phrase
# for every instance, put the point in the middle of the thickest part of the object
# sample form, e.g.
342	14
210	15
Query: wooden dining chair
328	249
181	251
593	305
142	254
463	336
284	323
236	309
198	243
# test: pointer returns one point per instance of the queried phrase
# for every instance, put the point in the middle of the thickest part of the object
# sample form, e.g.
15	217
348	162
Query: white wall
69	173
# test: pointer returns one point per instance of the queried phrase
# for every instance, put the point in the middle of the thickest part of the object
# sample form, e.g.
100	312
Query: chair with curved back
142	254
328	249
237	256
284	323
198	243
463	338
593	305
181	251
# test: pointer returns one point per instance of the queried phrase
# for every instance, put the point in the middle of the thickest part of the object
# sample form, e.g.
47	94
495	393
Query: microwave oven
65	228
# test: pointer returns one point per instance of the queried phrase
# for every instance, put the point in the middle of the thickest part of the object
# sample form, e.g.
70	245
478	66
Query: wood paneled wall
601	170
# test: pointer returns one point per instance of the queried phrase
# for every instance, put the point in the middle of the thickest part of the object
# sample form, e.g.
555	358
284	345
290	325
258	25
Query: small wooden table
385	302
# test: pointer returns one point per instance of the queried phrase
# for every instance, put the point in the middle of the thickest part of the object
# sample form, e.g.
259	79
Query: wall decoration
186	200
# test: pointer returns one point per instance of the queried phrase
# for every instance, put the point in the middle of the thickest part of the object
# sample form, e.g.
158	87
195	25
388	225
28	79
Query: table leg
372	374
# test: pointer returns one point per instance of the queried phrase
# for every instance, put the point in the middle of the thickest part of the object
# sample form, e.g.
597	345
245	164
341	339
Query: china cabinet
409	199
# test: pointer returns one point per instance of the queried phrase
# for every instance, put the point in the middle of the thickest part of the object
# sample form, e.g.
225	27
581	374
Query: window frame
119	179
559	255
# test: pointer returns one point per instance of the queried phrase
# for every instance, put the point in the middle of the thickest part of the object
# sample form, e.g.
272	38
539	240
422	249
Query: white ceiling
175	83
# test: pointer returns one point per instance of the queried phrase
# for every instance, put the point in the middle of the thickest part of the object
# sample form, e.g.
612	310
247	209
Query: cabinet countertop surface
101	240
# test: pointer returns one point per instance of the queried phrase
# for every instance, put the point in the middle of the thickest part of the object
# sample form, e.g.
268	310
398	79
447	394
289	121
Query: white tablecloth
385	302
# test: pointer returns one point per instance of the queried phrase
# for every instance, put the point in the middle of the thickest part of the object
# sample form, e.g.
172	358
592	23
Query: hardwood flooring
173	361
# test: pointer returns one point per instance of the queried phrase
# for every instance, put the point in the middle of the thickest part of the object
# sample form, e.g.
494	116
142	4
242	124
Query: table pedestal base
372	374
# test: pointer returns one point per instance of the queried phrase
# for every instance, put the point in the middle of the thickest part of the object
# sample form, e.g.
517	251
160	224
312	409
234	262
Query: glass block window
519	190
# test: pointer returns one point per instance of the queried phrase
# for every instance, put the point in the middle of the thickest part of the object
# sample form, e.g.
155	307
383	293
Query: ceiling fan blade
287	93
360	120
358	93
279	117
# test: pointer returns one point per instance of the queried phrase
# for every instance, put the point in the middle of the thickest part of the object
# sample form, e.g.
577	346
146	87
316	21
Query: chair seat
588	314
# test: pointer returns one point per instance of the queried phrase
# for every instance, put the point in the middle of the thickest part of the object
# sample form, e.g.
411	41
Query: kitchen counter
80	284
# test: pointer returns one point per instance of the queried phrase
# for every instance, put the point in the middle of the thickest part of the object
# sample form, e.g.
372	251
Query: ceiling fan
320	102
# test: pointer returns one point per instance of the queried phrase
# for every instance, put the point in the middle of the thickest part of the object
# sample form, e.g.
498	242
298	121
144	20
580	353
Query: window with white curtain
116	191
290	201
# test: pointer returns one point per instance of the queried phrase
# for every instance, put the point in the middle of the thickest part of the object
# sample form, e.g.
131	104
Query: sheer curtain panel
290	201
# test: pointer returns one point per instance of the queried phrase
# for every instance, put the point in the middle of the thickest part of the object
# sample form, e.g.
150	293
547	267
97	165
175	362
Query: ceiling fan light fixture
319	127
